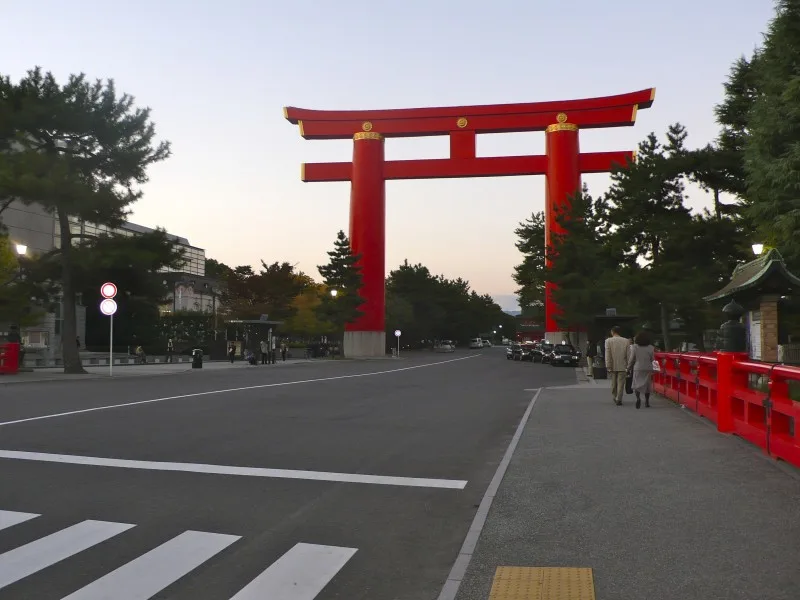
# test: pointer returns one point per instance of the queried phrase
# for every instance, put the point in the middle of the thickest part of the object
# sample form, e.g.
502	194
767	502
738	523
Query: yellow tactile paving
542	583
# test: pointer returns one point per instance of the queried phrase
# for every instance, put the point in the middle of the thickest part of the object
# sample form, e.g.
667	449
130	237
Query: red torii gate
562	164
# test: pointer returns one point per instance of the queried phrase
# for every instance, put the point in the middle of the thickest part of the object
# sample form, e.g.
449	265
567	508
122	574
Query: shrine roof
749	276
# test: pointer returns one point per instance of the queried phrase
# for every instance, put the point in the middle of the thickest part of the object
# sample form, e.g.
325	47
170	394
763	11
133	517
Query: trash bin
197	358
9	358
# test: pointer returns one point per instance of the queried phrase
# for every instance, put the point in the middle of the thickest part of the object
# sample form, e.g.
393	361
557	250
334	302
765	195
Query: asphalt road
341	480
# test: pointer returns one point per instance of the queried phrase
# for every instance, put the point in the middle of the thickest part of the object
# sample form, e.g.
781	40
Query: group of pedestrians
630	363
267	350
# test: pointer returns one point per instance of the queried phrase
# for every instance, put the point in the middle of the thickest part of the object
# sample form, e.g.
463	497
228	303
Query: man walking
617	363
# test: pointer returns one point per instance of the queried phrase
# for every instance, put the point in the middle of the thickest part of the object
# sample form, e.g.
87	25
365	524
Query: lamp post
335	293
22	250
758	249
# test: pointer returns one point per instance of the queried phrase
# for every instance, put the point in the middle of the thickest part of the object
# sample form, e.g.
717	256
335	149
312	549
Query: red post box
9	358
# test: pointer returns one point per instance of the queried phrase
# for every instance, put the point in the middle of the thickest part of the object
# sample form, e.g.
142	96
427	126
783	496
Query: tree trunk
69	326
665	328
717	204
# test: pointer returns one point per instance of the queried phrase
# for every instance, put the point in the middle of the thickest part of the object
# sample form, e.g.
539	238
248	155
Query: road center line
240	389
450	484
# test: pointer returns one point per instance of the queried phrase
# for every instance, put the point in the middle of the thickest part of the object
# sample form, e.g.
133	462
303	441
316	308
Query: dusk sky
218	74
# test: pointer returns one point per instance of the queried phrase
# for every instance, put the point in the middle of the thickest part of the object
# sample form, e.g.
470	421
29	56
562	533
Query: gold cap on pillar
562	124
368	135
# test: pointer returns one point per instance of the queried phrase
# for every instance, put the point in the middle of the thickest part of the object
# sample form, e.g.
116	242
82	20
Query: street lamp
758	249
335	293
21	249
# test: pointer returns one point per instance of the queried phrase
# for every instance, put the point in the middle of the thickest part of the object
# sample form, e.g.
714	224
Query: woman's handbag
629	382
656	366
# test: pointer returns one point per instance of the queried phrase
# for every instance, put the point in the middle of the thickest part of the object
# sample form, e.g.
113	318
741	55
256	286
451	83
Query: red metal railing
759	402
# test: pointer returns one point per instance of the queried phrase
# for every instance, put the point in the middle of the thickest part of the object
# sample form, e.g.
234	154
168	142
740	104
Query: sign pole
111	346
108	307
397	333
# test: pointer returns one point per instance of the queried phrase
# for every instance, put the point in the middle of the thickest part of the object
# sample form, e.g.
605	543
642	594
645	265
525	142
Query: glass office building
195	258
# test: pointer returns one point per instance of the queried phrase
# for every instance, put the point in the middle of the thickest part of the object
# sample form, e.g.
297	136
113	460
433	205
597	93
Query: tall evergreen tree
733	115
79	150
772	148
582	266
529	275
646	210
341	275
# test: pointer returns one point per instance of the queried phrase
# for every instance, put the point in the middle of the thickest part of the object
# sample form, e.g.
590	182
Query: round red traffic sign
108	290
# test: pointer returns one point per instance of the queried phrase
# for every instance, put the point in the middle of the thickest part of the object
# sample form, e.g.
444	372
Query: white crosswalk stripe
28	559
147	575
300	574
9	518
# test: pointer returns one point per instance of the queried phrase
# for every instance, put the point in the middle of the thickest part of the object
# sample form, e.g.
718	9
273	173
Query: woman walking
640	361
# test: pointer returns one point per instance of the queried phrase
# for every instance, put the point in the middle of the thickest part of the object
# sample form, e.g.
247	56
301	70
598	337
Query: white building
32	226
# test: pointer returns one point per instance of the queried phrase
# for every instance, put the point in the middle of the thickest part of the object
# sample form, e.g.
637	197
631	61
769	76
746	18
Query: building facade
32	226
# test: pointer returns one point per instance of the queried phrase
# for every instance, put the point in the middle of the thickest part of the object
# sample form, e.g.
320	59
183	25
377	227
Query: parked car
487	344
510	350
541	352
564	354
521	351
444	346
476	344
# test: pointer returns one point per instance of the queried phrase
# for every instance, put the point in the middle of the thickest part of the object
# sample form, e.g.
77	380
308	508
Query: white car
476	344
487	344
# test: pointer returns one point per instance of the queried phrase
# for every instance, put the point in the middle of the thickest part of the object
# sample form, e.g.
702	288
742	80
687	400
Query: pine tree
772	148
646	210
530	274
79	150
582	268
341	275
733	116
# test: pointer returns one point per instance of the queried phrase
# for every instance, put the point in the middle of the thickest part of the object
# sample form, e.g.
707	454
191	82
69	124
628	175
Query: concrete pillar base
364	344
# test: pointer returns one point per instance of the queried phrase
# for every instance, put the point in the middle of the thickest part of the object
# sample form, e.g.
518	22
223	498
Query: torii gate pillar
367	335
563	181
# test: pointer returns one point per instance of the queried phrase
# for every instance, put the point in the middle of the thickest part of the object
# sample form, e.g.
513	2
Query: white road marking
9	518
28	559
300	574
240	389
452	484
150	573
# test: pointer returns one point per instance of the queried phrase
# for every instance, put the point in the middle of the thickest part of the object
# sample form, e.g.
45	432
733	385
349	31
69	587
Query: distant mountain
508	302
513	313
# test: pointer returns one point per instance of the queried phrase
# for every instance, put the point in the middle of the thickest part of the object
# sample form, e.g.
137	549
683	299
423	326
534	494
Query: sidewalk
127	371
657	503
